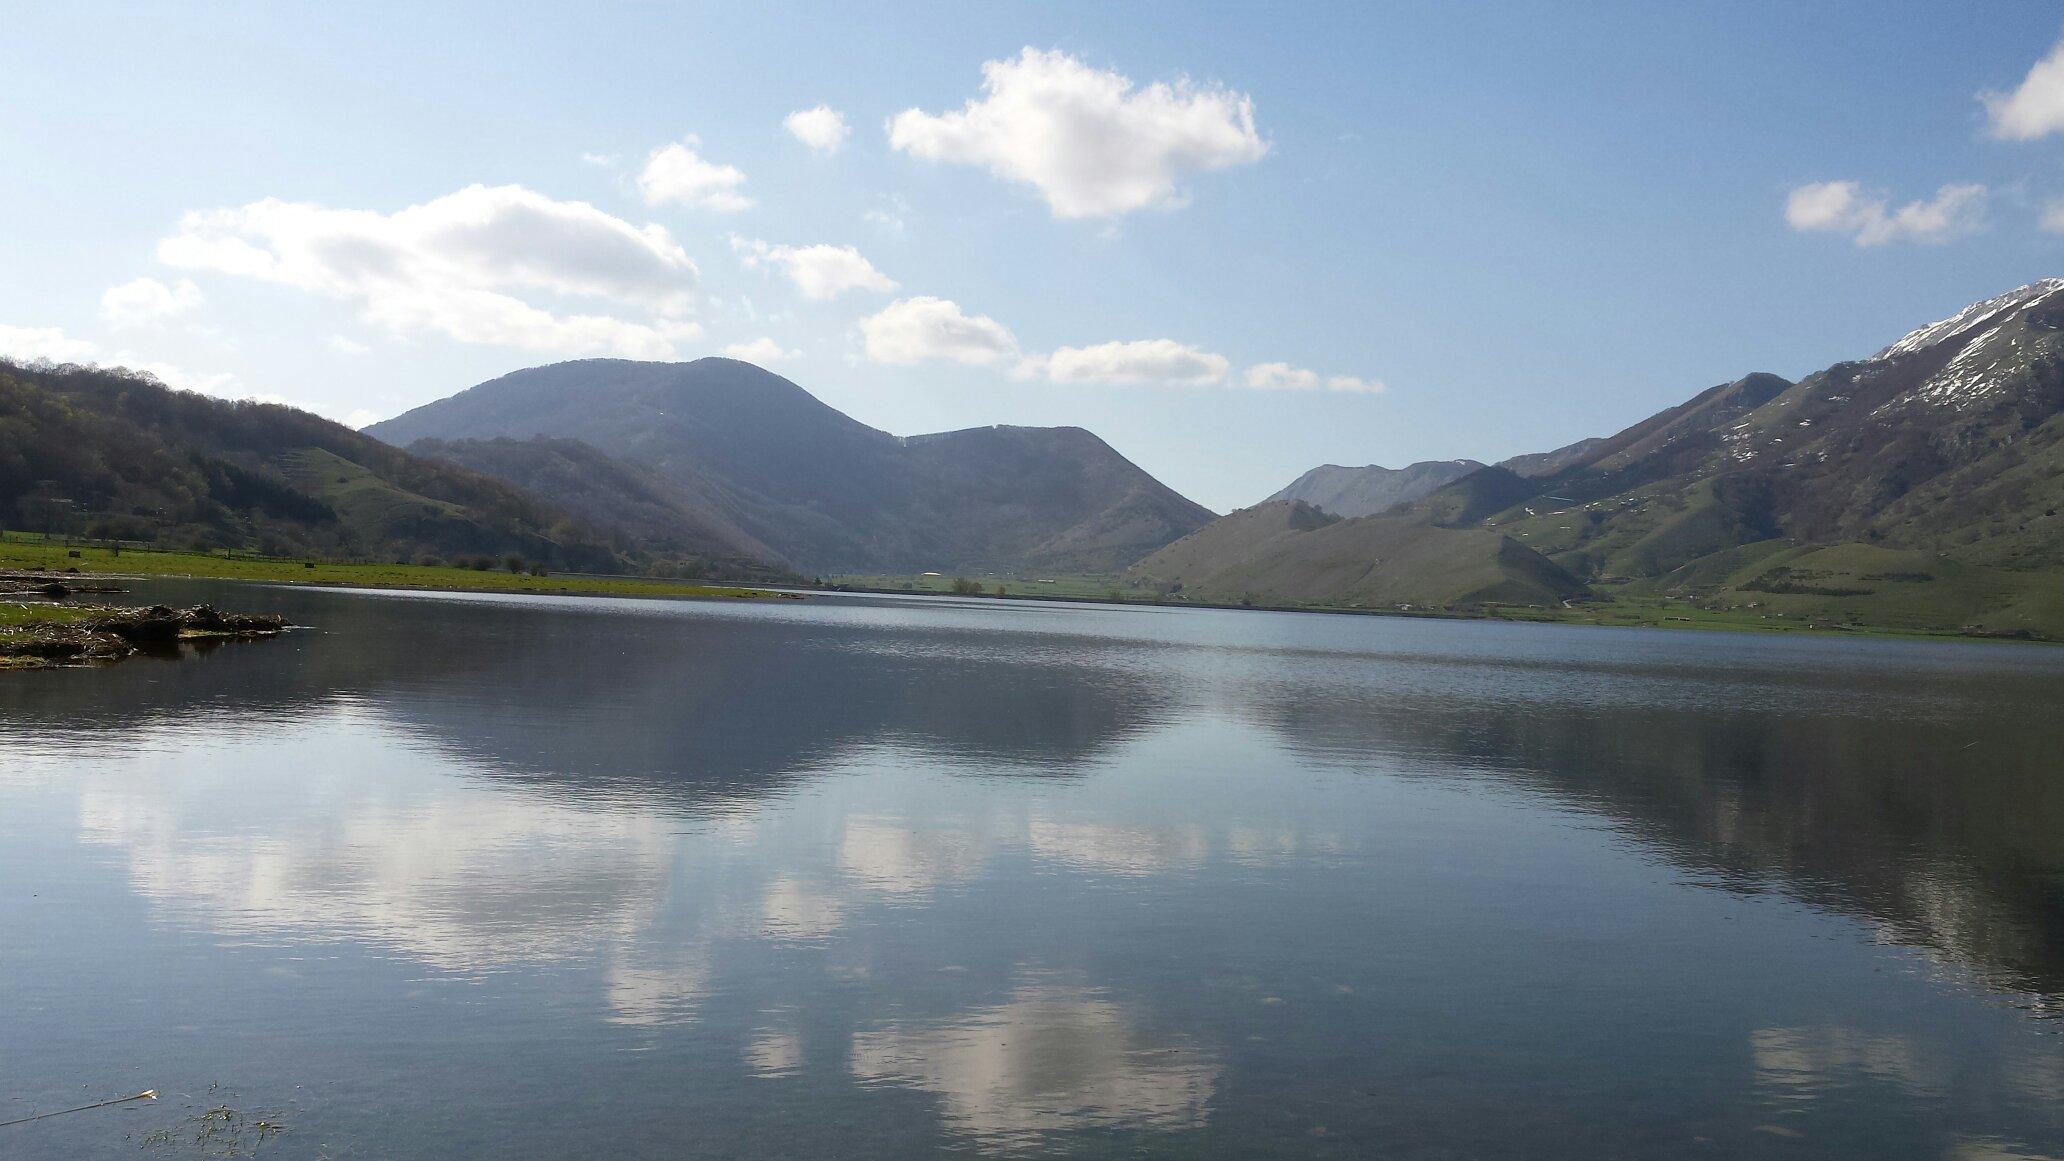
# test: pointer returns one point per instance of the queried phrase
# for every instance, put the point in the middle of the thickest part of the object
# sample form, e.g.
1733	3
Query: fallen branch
149	1094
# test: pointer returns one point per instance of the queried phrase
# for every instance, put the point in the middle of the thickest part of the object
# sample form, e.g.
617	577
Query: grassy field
1726	609
1060	587
30	552
1661	612
14	614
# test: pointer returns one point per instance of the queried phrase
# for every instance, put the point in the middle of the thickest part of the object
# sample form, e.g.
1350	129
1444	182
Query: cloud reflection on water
1050	1057
1002	879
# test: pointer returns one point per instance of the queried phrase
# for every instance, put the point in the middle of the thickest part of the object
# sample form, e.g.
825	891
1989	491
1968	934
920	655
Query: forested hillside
105	453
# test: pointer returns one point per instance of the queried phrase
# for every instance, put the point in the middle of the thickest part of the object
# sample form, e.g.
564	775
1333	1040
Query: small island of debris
40	629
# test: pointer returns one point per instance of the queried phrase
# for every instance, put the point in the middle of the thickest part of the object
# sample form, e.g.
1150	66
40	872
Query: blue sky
1527	225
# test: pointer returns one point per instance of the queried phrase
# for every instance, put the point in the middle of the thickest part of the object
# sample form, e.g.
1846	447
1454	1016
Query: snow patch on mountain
1970	318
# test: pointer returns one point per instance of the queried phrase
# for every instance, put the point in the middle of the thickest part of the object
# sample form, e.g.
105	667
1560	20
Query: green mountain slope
105	453
1918	488
747	448
1286	552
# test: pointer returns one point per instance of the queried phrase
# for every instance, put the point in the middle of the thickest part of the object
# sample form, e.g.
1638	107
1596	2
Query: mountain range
1374	489
765	464
714	467
1917	486
1368	491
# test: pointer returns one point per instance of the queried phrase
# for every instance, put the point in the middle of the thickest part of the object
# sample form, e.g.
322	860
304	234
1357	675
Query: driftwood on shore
106	633
15	582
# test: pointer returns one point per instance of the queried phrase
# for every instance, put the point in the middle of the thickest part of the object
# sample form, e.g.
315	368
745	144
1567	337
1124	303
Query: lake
872	877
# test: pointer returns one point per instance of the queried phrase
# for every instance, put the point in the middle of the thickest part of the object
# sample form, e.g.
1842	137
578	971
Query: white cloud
1284	377
886	221
1085	138
2052	220
146	300
44	344
762	351
453	266
916	329
361	418
891	219
2036	108
910	330
52	345
1844	207
1142	361
346	346
677	173
821	272
599	160
823	128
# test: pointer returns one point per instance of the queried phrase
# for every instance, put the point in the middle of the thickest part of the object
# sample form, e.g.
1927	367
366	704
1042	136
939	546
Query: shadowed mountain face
609	493
1918	487
1371	490
749	450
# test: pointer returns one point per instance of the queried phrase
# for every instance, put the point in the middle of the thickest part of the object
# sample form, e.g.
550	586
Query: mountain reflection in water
1039	877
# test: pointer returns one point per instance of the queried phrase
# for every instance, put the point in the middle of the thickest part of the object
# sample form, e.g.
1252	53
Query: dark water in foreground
515	877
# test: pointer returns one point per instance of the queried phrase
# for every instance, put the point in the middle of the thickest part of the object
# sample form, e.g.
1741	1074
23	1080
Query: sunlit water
514	877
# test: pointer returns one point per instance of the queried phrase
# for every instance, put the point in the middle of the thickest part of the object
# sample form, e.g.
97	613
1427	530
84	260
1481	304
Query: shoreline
22	560
1674	622
83	560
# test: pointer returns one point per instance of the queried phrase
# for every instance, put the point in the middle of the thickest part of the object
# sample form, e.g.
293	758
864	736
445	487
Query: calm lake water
531	877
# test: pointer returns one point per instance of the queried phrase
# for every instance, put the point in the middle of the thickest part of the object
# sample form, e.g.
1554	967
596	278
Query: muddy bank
40	637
